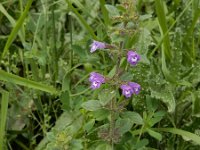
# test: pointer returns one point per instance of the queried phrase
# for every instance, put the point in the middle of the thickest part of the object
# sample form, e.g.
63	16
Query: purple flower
97	45
130	88
135	86
133	57
95	84
96	80
127	90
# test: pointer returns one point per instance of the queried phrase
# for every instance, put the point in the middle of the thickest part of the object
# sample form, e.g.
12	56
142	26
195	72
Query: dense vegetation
47	102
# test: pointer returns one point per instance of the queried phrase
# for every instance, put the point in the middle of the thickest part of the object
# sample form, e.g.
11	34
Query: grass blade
84	23
4	76
163	26
173	24
12	21
16	28
105	13
188	39
4	109
183	133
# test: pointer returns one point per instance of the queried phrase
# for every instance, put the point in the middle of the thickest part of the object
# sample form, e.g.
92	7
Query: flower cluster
97	79
130	88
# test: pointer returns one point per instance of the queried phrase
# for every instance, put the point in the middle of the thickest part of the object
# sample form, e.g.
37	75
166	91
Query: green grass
17	27
4	111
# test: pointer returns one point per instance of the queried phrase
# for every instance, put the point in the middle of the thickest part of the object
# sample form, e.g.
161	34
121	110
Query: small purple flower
133	57
127	90
96	76
97	45
95	85
135	86
96	80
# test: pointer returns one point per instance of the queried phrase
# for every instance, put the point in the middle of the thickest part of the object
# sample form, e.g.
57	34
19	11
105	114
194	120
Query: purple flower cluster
130	88
96	80
97	45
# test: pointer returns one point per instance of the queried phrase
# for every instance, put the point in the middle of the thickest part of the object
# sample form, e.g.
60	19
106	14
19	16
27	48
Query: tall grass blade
187	39
54	47
105	13
16	28
166	53
4	109
12	21
163	26
4	76
173	24
84	23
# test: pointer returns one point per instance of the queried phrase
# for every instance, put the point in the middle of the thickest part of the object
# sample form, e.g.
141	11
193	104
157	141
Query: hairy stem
112	122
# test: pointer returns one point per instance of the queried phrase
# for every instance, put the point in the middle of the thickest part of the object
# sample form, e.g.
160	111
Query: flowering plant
97	79
114	91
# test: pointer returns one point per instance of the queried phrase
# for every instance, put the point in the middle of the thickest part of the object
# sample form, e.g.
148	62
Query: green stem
54	51
71	40
140	132
84	91
119	58
21	145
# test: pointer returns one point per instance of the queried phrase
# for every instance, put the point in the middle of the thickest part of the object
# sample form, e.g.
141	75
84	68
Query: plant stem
119	58
112	122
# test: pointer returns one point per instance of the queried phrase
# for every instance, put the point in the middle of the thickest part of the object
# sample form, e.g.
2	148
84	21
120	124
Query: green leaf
66	82
50	136
183	133
151	103
100	114
112	72
127	76
88	126
143	43
79	51
195	103
116	37
154	134
133	116
103	146
65	99
76	144
166	96
156	118
106	96
91	105
123	125
142	143
113	11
